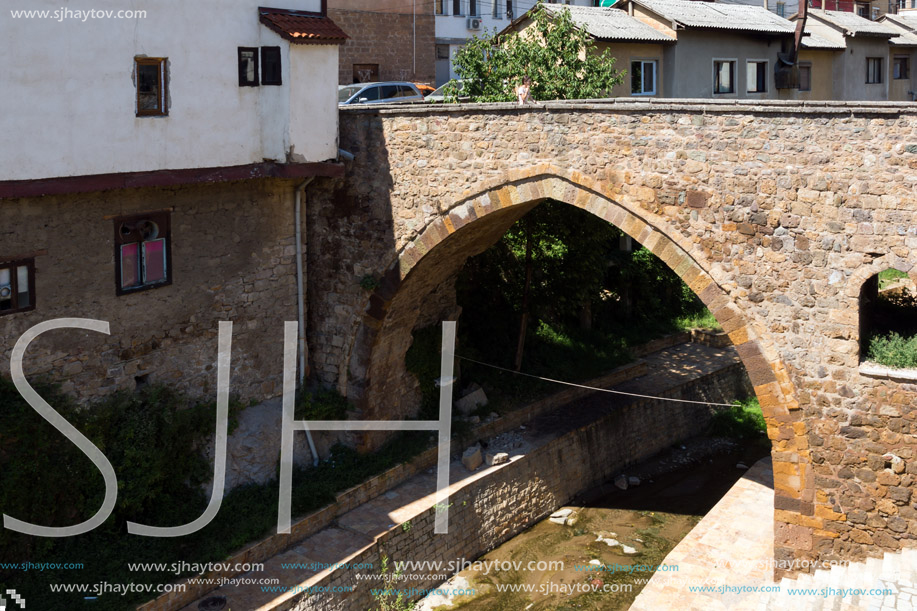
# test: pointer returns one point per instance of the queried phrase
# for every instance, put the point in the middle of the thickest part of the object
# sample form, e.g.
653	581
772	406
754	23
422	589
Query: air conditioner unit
474	23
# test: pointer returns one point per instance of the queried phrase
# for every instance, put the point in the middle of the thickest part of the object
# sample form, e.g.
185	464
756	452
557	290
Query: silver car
439	95
394	92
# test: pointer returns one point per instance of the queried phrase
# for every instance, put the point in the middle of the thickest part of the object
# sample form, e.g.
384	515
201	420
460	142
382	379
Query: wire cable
608	390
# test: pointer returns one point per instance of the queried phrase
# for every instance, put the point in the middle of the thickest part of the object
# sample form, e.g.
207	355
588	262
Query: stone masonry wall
775	214
232	259
493	509
386	39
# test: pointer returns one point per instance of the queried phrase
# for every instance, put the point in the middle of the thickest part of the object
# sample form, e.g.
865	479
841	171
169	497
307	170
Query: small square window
270	66
805	77
724	72
643	77
151	86
365	73
248	66
142	252
17	286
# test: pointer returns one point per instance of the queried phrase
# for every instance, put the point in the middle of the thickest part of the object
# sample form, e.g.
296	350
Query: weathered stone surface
621	482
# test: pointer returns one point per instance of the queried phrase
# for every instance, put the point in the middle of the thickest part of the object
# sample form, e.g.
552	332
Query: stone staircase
894	571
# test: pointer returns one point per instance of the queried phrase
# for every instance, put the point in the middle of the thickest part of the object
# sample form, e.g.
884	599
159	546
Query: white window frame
766	72
444	6
735	76
655	63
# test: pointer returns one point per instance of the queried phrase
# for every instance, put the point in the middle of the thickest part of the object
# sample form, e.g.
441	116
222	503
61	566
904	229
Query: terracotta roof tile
302	27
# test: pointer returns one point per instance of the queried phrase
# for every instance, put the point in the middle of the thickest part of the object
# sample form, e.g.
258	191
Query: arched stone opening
377	377
887	306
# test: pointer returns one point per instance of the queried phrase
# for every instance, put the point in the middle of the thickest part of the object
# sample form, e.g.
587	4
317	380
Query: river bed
608	545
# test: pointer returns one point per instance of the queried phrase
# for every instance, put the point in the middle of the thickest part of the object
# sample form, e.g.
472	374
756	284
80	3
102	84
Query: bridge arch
477	219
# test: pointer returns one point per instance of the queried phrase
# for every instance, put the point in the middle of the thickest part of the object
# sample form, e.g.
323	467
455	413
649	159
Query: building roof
905	24
719	16
811	40
606	23
302	27
852	24
905	19
905	39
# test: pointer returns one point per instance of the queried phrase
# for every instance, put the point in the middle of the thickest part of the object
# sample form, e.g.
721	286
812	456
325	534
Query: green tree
554	52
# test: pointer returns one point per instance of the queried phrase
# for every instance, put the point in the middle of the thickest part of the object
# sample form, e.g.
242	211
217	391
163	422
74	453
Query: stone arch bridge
774	214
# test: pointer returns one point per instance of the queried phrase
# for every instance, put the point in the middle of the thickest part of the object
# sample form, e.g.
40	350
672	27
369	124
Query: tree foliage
559	57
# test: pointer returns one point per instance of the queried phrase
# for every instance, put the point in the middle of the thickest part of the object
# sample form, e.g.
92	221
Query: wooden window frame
878	72
163	219
162	64
243	81
902	60
13	266
264	62
808	67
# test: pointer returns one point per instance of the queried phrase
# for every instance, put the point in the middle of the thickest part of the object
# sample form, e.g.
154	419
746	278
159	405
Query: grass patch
700	320
894	350
890	276
743	420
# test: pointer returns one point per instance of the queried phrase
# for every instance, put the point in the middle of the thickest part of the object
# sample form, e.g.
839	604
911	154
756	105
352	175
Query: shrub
743	420
893	350
325	404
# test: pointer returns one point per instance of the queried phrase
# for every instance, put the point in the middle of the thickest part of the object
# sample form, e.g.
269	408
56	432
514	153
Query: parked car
378	93
440	94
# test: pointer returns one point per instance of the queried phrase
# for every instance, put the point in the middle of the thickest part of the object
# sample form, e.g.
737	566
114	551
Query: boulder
496	459
471	401
472	458
633	481
621	482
